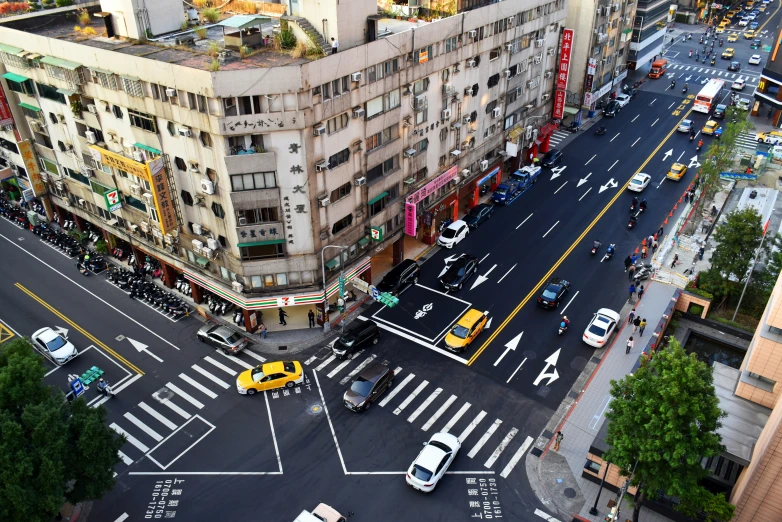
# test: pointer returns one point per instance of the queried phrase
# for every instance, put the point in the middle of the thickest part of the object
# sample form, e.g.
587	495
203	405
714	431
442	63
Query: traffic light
388	299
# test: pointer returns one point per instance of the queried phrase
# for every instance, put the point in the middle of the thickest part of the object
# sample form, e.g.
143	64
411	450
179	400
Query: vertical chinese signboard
590	78
563	71
6	118
31	164
162	194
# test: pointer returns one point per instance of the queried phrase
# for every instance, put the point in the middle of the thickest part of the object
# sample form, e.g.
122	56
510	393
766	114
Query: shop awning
147	148
202	261
66	92
262	243
364	241
571	110
334	263
377	198
59	62
515	132
628	30
31	107
10	49
18	78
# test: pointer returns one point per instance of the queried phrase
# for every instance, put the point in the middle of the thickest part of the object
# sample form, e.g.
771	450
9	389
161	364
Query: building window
383	169
342	224
171	128
217	210
206	139
382	70
341	192
382	138
262	251
50	93
229	106
378	206
140	120
106	80
494	79
133	87
421	146
180	163
420	86
136	203
260	180
490	106
338	123
258	215
384	103
25	87
340	158
187	199
201	103
451	44
117	111
282	279
494	53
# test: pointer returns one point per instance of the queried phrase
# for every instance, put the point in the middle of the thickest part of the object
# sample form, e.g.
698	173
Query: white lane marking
160	418
133	440
617	135
568	303
478	445
552	228
254	355
328	417
455	418
429	400
500	448
636	141
341	366
518	227
438	413
175	408
506	273
545	516
409	337
310	360
211	377
390	395
516	370
655	121
680	157
635	118
671	105
484	258
189	398
236	360
146	429
614	165
466	433
560	188
585	193
226	369
127	460
325	363
358	369
198	386
271	422
516	457
410	397
593	157
122	517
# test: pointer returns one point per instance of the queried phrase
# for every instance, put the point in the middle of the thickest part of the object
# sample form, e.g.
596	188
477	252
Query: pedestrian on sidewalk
641	292
283	315
636	323
627	263
629	345
558	440
660	232
642	327
675	260
701	250
311	317
634	258
631	316
632	271
262	329
632	290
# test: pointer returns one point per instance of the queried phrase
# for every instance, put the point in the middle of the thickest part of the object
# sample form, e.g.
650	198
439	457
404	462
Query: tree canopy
662	423
51	451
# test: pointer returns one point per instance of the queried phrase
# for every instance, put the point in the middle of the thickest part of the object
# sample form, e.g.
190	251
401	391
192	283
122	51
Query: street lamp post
326	325
593	509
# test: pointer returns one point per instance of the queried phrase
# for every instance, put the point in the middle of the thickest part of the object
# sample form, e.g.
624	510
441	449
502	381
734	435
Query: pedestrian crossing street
557	137
712	73
413	399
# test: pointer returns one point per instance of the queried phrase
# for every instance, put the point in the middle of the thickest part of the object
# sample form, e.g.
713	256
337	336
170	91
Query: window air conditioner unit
456	153
361	181
551	51
59	184
496	112
213	243
86	171
91	138
197	230
9	127
185	131
355	77
358	112
236	285
466	119
322	166
134	228
484	164
507	73
465	172
242	221
208	252
148	198
456	180
539	42
144	227
319	130
546	96
194	168
509	47
135	190
207	187
409	153
473	34
138	156
446	114
420	102
171	93
468	91
92	108
197	245
82	202
170	240
548	74
323	201
510	19
35	125
615	8
471	64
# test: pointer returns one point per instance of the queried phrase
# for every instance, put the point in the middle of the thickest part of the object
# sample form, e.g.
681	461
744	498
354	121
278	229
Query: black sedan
553	157
459	271
612	109
478	214
734	66
553	293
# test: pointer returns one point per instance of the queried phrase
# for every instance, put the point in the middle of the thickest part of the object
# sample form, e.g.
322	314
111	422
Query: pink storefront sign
432	187
411	223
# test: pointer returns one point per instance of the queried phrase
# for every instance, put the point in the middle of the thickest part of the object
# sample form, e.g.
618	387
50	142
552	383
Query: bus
709	96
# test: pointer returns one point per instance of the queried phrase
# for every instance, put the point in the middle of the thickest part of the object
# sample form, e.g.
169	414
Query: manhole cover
573	395
530	355
315	409
543	391
569	493
578	363
536	452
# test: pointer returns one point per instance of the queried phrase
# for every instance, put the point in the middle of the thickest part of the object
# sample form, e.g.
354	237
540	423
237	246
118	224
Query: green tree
662	423
51	451
772	265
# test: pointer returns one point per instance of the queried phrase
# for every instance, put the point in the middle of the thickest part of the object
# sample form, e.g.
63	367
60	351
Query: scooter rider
690	56
643	205
635	203
673	84
700	144
104	388
596	244
566	321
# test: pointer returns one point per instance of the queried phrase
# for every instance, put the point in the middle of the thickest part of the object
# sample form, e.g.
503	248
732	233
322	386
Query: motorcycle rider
690	56
602	129
673	84
635	202
700	144
103	387
643	205
596	244
566	321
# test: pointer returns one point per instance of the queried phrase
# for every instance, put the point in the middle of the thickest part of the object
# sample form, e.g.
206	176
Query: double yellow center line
569	250
79	329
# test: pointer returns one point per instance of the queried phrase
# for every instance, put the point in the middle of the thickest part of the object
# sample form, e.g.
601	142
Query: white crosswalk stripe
500	448
466	433
558	136
189	398
747	140
455	418
516	457
398	388
326	362
310	360
429	400
133	440
146	429
220	365
176	409
254	355
236	360
341	366
357	369
410	398
438	413
127	460
484	438
211	377
160	418
198	386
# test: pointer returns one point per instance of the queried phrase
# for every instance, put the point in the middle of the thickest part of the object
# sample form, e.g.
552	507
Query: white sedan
431	464
754	59
600	328
452	235
54	346
685	126
623	99
639	182
739	84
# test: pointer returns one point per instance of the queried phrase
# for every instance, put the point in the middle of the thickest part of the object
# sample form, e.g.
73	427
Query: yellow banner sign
31	164
118	161
160	189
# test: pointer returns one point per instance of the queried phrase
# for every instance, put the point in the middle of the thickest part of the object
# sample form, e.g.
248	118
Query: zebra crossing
747	140
418	402
558	137
714	73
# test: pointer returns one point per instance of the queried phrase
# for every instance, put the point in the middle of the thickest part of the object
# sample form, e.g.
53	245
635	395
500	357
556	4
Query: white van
322	513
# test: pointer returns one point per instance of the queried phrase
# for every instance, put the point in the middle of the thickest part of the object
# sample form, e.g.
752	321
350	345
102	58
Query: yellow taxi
270	376
748	5
710	127
762	8
773	137
749	35
466	330
720	29
725	21
677	172
728	53
734	37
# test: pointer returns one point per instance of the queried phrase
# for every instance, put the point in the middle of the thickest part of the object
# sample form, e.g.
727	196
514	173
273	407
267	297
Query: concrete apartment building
238	178
767	91
649	30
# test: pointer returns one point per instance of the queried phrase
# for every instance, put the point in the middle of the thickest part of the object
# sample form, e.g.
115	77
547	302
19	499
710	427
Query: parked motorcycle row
14	214
138	287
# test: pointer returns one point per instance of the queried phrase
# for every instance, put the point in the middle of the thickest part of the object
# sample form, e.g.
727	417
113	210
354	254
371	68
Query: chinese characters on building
563	71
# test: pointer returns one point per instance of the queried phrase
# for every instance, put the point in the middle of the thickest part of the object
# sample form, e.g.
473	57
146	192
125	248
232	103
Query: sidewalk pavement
555	476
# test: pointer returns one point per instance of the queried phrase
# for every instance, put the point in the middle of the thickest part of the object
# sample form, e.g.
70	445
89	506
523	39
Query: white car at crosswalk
754	59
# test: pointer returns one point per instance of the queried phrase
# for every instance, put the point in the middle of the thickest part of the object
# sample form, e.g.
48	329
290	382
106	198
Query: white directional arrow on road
62	331
512	344
141	347
557	172
694	162
583	180
488	324
688	78
611	184
703	81
668	154
551	360
481	278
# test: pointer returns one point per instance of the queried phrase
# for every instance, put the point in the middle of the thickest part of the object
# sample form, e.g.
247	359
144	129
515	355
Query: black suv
357	335
734	66
719	111
370	384
553	157
400	277
612	109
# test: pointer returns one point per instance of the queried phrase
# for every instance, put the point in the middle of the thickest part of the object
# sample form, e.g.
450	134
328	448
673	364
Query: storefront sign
6	118
376	233
559	105
263	232
118	161
410	219
433	186
360	284
423	56
113	201
592	66
163	204
487	177
563	69
31	164
620	77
